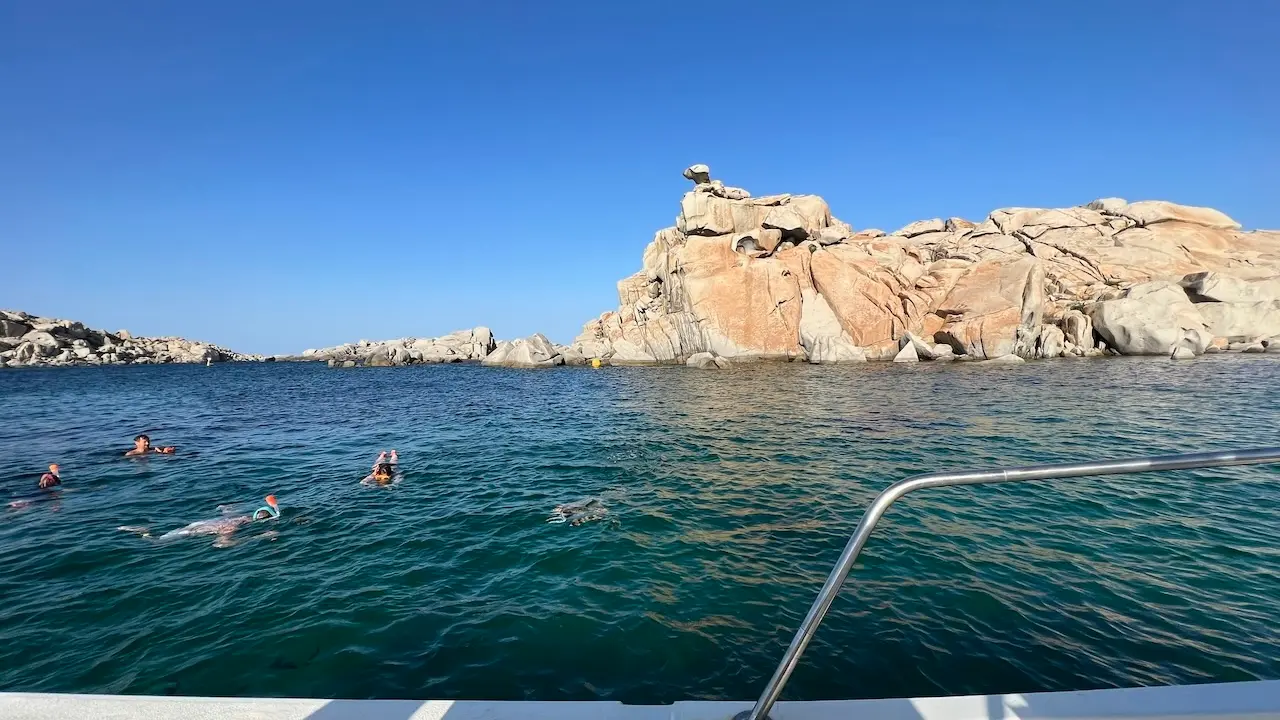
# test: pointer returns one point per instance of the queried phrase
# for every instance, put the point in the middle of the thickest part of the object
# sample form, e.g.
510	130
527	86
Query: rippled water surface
730	494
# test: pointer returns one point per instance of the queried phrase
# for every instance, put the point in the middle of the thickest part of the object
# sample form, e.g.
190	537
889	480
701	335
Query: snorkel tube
269	511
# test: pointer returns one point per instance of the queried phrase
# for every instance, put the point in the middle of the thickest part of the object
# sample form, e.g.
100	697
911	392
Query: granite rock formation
780	278
459	346
29	340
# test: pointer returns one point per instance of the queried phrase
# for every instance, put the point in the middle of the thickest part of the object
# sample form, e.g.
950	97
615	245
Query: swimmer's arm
395	459
368	480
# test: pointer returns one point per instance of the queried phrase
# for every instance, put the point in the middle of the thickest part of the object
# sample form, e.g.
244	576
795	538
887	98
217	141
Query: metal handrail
891	494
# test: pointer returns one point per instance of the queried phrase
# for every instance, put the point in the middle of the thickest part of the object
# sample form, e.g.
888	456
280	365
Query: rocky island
780	278
27	340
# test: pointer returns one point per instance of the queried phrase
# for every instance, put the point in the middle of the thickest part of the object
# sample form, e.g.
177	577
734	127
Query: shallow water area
729	495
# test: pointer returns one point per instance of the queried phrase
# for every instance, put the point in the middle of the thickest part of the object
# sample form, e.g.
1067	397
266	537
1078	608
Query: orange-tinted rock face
737	275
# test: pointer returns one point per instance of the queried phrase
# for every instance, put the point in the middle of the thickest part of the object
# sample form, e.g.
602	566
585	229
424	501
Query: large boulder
1156	211
535	351
1208	287
706	361
1241	319
698	173
626	352
1150	319
920	227
41	338
13	328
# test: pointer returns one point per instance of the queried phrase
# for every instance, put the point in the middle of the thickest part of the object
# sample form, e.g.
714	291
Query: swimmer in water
142	446
386	470
224	527
577	513
50	479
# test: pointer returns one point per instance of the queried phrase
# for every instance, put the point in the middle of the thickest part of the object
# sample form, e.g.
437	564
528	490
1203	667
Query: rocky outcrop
460	346
534	351
780	278
29	340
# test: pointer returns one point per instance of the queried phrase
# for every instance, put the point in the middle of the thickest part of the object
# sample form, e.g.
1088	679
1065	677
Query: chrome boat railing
881	504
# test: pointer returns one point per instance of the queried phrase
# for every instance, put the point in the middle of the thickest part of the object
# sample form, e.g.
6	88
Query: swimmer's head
142	442
53	468
270	511
384	470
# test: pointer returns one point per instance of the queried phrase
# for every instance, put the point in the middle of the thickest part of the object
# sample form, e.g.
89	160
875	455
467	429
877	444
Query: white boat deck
1236	701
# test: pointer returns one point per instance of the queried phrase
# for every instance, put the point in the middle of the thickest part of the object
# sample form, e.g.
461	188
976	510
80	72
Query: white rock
1150	212
1182	352
626	352
1110	206
923	350
1052	342
702	361
1208	287
1151	319
832	235
907	354
698	173
921	227
41	338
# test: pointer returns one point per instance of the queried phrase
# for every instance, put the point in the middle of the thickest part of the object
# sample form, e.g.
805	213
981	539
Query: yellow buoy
595	362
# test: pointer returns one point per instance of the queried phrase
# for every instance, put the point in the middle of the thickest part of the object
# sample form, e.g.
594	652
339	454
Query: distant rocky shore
28	340
744	279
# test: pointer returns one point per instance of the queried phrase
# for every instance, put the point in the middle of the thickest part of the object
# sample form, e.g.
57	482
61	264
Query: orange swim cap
54	468
271	499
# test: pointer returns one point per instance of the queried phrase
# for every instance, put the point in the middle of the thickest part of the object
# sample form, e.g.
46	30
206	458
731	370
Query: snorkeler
142	446
223	527
577	513
386	470
51	478
48	482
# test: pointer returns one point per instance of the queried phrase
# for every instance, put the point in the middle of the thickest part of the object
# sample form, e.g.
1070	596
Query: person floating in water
47	485
50	479
386	470
577	513
142	446
224	527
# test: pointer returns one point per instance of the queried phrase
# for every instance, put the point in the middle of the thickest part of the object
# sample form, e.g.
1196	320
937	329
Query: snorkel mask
269	511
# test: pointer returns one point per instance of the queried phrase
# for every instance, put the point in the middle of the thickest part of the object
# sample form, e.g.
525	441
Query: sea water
729	495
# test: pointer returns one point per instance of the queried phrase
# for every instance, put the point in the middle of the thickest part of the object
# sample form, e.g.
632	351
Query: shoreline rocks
459	346
32	341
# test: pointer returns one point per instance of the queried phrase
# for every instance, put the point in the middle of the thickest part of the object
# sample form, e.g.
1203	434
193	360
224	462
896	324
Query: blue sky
276	175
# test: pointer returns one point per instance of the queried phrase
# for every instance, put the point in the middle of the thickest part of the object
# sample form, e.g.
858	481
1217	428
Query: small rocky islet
742	278
31	340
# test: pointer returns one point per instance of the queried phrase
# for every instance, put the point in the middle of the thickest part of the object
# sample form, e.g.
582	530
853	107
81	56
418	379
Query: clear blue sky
273	175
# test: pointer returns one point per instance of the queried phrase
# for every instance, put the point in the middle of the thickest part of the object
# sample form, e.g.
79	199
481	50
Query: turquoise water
730	494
